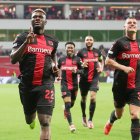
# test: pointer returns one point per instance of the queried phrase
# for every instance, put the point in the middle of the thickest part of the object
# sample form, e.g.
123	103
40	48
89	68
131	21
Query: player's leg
134	108
28	100
135	122
92	107
45	106
67	112
67	104
115	114
45	121
73	97
84	87
30	119
93	88
119	103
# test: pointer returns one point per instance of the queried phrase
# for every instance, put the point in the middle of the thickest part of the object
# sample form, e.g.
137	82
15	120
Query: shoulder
76	57
82	50
96	50
21	37
121	39
62	58
51	38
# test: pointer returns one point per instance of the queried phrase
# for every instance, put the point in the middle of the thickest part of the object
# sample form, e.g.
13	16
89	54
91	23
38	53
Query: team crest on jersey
126	47
50	42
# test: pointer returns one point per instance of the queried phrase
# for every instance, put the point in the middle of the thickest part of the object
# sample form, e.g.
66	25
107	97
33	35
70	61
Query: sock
83	107
135	129
91	110
68	113
113	117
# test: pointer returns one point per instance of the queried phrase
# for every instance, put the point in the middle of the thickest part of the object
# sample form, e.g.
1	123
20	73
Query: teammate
124	56
70	66
35	53
93	65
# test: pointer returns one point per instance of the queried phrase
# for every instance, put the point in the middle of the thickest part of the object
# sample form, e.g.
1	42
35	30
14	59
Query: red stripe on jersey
90	66
38	70
40	59
69	74
133	64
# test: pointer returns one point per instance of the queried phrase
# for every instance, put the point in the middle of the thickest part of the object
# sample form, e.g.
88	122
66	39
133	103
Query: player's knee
45	124
67	106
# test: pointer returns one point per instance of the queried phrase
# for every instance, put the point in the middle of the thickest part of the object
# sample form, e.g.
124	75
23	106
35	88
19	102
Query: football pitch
13	126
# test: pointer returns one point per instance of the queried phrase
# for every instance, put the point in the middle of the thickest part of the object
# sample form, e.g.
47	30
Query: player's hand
85	64
55	70
128	70
74	70
30	37
58	78
99	68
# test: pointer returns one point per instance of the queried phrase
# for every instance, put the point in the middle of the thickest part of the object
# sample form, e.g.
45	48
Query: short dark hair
70	42
39	10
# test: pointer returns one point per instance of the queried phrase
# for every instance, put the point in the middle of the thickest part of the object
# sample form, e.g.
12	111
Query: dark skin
38	21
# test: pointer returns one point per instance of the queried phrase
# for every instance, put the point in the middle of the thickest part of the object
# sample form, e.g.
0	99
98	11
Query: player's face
131	25
89	41
38	20
70	49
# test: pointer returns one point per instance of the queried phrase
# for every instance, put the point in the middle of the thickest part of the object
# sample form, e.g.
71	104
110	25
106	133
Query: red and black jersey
36	62
67	64
126	52
92	57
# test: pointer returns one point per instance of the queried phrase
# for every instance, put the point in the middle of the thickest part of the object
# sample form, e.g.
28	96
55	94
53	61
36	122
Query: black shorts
122	97
88	86
70	93
37	98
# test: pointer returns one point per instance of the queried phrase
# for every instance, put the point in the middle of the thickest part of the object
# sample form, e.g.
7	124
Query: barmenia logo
41	50
126	56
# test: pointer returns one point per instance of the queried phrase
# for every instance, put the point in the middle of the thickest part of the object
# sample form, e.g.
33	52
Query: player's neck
39	32
89	48
131	36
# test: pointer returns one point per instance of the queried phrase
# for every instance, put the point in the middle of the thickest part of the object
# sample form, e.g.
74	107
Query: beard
132	31
37	29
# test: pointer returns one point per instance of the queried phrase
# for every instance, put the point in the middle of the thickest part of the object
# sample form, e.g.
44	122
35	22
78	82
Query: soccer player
93	65
124	56
70	66
35	53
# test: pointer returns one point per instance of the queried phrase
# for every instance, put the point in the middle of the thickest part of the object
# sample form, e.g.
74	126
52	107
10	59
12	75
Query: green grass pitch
13	126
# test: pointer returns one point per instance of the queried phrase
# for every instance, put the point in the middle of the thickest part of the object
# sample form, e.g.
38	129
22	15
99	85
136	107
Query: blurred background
67	20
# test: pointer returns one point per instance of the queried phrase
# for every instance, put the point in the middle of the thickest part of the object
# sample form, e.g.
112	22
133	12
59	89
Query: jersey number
49	95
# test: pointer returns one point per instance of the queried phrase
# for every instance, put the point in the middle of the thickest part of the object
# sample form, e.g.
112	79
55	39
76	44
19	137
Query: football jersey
67	64
36	62
92	57
126	52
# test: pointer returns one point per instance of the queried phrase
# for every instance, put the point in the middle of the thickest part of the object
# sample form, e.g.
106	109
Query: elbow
12	60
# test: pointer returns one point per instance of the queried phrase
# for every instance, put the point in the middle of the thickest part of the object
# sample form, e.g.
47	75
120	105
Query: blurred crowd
56	12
